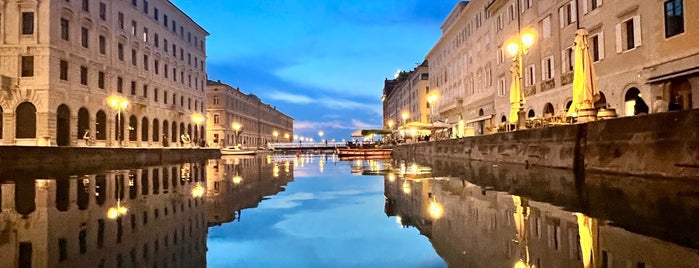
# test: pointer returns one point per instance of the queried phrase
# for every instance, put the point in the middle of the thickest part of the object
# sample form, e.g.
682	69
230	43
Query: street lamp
275	134
286	137
390	124
431	99
517	49
320	133
119	104
236	127
404	115
197	118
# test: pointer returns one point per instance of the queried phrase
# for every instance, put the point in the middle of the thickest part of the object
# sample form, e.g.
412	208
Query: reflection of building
64	222
258	121
479	228
406	93
241	182
637	47
63	59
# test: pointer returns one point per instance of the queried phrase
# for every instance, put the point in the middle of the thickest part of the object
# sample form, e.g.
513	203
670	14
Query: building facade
407	94
257	123
637	47
100	73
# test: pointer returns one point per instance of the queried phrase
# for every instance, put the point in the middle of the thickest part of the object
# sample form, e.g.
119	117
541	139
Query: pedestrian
675	105
640	108
660	105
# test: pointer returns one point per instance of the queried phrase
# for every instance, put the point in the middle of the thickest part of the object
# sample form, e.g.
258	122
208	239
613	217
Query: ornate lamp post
517	49
197	118
119	104
236	127
431	99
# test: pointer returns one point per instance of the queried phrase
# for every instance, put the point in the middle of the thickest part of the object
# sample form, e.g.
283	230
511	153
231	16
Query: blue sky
322	62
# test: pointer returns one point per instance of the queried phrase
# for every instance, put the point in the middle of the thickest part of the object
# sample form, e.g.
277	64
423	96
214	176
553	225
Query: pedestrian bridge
294	146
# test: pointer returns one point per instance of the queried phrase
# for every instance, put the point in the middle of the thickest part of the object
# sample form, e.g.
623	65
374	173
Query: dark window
145	91
82	238
156	40
156	66
63	73
27	66
103	11
595	48
165	20
674	18
133	57
120	51
86	5
27	22
84	34
25	113
133	87
120	19
25	255
101	126
165	44
630	43
120	84
155	14
62	249
65	29
83	75
134	2
100	80
102	44
145	6
145	62
100	233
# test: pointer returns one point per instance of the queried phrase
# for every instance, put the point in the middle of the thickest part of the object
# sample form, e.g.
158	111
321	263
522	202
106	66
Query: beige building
96	72
637	47
65	221
258	123
407	94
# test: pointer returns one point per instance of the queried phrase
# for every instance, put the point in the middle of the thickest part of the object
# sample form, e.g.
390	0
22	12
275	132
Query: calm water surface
321	211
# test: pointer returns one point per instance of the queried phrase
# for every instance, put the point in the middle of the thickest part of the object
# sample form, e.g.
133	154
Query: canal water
323	211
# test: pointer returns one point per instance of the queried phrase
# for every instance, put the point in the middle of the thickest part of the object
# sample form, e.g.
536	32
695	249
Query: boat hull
364	152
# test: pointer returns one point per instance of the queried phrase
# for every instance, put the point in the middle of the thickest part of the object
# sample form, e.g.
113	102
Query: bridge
296	146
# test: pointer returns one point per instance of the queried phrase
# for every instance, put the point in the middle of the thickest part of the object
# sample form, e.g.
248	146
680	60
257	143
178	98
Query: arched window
144	129
83	123
62	125
101	126
133	125
156	130
503	119
174	136
166	130
25	113
531	113
548	110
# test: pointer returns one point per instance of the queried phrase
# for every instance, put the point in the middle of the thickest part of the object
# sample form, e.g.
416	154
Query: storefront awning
485	117
669	76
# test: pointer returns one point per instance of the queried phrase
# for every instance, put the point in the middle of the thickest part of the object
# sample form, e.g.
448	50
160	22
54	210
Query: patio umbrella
516	93
585	91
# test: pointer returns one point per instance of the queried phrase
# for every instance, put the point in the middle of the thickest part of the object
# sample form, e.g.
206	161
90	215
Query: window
145	62
215	100
133	57
174	50
63	72
86	5
120	51
156	40
500	24
165	97
145	91
567	14
568	58
174	26
501	86
120	84
83	75
27	22
589	5
530	75
145	34
103	44
133	27
165	68
120	20
145	6
674	18
133	87
134	2
165	46
65	29
597	45
546	27
547	68
165	20
628	34
100	80
155	95
156	66
155	14
62	249
500	56
511	12
216	119
84	34
103	11
27	66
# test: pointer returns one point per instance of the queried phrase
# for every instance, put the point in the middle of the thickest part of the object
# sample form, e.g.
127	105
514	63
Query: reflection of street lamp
119	104
431	99
435	208
404	115
115	212
275	134
236	127
517	49
197	118
198	191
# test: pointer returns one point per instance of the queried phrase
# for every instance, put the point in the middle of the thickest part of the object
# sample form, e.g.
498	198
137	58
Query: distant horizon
322	63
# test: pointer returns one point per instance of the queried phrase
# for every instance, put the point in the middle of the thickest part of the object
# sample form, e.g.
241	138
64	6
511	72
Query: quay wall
662	144
37	159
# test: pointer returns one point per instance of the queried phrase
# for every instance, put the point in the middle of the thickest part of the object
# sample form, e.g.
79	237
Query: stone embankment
663	144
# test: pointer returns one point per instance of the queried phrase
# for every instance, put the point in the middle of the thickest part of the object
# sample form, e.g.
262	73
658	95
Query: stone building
96	72
637	47
406	94
258	123
67	221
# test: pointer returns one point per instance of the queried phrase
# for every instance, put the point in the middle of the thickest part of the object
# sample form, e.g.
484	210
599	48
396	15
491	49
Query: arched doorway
548	110
681	93
133	125
174	137
101	126
531	113
630	100
568	104
63	125
83	123
182	129
156	130
25	113
503	119
481	123
602	102
144	129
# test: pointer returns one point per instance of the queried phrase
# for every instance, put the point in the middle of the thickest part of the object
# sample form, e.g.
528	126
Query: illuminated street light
275	134
517	49
431	99
197	118
320	133
197	191
115	212
236	127
405	116
390	124
286	136
119	104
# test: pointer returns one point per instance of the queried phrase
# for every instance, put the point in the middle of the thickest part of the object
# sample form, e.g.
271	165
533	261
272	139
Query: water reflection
118	218
546	219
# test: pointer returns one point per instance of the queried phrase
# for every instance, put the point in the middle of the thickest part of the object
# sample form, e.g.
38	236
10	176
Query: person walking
640	108
660	105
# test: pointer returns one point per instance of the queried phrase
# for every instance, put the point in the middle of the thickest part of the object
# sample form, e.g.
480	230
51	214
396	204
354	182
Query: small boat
235	150
344	152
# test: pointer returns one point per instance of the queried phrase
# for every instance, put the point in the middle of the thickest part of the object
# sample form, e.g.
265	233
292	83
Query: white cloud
289	97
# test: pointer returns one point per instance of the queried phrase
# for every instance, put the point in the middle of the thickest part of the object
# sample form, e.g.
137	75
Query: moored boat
235	150
345	152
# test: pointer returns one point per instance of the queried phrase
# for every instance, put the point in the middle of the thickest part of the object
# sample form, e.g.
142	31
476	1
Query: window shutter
574	10
600	45
584	6
560	17
563	61
553	66
618	38
637	31
543	69
599	3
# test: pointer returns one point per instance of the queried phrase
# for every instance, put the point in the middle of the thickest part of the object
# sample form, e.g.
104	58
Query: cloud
288	97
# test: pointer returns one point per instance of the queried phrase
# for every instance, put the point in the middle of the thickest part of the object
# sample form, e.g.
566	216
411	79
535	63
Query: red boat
344	152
